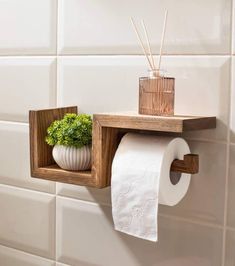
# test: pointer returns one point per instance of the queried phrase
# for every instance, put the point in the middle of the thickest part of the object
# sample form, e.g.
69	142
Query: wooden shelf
107	132
176	124
55	173
41	161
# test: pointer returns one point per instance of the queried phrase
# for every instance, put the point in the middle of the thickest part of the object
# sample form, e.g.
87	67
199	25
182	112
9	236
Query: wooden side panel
40	152
199	123
105	142
107	131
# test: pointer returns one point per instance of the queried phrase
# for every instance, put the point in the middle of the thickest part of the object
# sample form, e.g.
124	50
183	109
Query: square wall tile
202	87
232	116
231	189
28	27
109	84
13	257
102	196
230	248
99	84
27	221
15	158
26	83
88	27
205	197
85	236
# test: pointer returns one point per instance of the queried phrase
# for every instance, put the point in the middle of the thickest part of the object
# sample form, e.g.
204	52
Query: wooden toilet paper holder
189	165
107	128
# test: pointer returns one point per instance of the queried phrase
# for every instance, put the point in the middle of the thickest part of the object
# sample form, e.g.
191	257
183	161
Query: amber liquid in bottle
156	95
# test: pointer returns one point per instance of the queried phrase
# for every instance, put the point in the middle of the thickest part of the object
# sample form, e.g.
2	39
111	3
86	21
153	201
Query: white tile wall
14	158
231	189
230	242
102	196
203	81
232	120
200	203
93	223
13	257
103	27
61	264
27	27
65	52
27	221
79	78
27	83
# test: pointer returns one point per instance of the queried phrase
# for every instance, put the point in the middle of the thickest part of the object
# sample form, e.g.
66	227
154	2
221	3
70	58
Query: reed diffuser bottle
156	92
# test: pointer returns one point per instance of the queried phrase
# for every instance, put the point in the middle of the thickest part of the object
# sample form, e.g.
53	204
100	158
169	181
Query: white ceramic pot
71	158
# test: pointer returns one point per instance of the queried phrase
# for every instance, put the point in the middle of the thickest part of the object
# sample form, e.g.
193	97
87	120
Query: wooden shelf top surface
55	173
177	123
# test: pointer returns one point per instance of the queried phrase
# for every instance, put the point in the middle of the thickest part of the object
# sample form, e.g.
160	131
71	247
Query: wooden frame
107	132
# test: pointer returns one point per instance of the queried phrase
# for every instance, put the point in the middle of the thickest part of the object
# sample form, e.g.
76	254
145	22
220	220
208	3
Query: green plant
73	130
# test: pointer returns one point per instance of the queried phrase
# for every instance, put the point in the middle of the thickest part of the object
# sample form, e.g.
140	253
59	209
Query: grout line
226	193
165	55
192	221
52	194
56	82
26	252
55	231
230	228
57	51
214	141
173	217
89	202
228	145
14	122
109	55
141	55
56	104
56	27
28	55
205	140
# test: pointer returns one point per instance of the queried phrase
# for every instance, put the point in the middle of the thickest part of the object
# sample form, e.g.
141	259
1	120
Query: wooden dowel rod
189	165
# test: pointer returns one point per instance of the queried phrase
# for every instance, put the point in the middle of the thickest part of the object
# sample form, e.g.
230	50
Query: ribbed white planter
71	158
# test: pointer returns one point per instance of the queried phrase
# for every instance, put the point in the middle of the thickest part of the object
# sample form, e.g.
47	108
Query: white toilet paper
141	180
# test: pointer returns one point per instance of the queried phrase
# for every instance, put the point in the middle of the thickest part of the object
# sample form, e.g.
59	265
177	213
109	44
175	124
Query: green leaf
73	130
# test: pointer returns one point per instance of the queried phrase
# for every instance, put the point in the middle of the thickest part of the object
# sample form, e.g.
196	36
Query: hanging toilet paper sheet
141	180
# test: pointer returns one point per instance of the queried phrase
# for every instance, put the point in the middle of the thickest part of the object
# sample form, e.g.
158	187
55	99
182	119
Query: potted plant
71	138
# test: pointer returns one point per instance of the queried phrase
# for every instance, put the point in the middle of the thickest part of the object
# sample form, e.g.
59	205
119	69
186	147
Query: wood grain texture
55	173
174	124
156	96
106	135
189	165
41	160
105	142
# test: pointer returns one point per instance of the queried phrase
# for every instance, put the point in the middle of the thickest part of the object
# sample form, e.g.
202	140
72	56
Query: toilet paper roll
141	180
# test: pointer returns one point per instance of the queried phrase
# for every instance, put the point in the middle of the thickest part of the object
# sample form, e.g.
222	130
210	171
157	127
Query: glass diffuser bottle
156	94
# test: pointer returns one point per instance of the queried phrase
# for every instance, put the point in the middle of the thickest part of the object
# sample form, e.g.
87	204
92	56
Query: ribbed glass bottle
156	94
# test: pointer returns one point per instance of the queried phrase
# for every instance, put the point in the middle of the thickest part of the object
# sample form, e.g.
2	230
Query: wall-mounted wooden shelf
107	132
41	160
